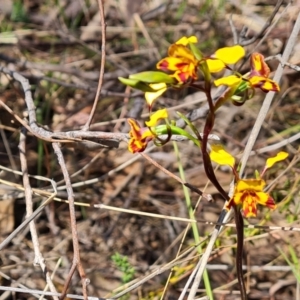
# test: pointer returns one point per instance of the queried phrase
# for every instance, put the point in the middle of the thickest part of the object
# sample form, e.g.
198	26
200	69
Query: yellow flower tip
134	128
231	80
215	65
250	211
258	64
135	143
187	40
135	146
155	117
270	85
139	137
230	55
264	83
220	156
272	160
159	88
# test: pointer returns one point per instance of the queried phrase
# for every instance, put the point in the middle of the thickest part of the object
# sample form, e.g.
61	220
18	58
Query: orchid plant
186	66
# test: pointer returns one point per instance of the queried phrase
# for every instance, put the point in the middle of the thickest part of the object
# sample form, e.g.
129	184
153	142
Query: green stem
192	217
228	93
166	129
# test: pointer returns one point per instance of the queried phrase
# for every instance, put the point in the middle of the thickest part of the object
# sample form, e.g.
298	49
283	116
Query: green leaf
197	53
152	77
190	124
136	84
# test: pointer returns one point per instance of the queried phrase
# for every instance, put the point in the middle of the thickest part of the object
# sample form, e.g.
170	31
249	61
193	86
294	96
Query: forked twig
265	27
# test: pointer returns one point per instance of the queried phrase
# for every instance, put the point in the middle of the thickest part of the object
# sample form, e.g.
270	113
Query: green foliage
152	77
293	261
180	11
18	13
136	84
124	266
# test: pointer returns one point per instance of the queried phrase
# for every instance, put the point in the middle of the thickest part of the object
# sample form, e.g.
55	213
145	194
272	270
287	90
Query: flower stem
239	221
206	159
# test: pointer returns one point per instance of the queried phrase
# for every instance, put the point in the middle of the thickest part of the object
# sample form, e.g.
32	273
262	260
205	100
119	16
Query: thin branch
39	292
233	30
38	257
265	27
271	26
76	258
101	76
191	187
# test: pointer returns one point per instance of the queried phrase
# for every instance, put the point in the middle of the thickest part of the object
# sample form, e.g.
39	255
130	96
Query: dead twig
243	42
38	257
76	258
101	76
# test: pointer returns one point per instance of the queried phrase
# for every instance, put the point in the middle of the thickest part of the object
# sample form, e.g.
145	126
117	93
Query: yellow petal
264	83
231	80
270	85
230	55
236	199
256	185
187	40
272	160
135	130
136	144
249	204
148	135
152	96
265	199
220	156
182	52
257	62
158	86
170	63
215	65
158	115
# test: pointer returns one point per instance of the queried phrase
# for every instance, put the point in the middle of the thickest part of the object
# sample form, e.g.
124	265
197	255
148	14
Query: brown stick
76	259
101	76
